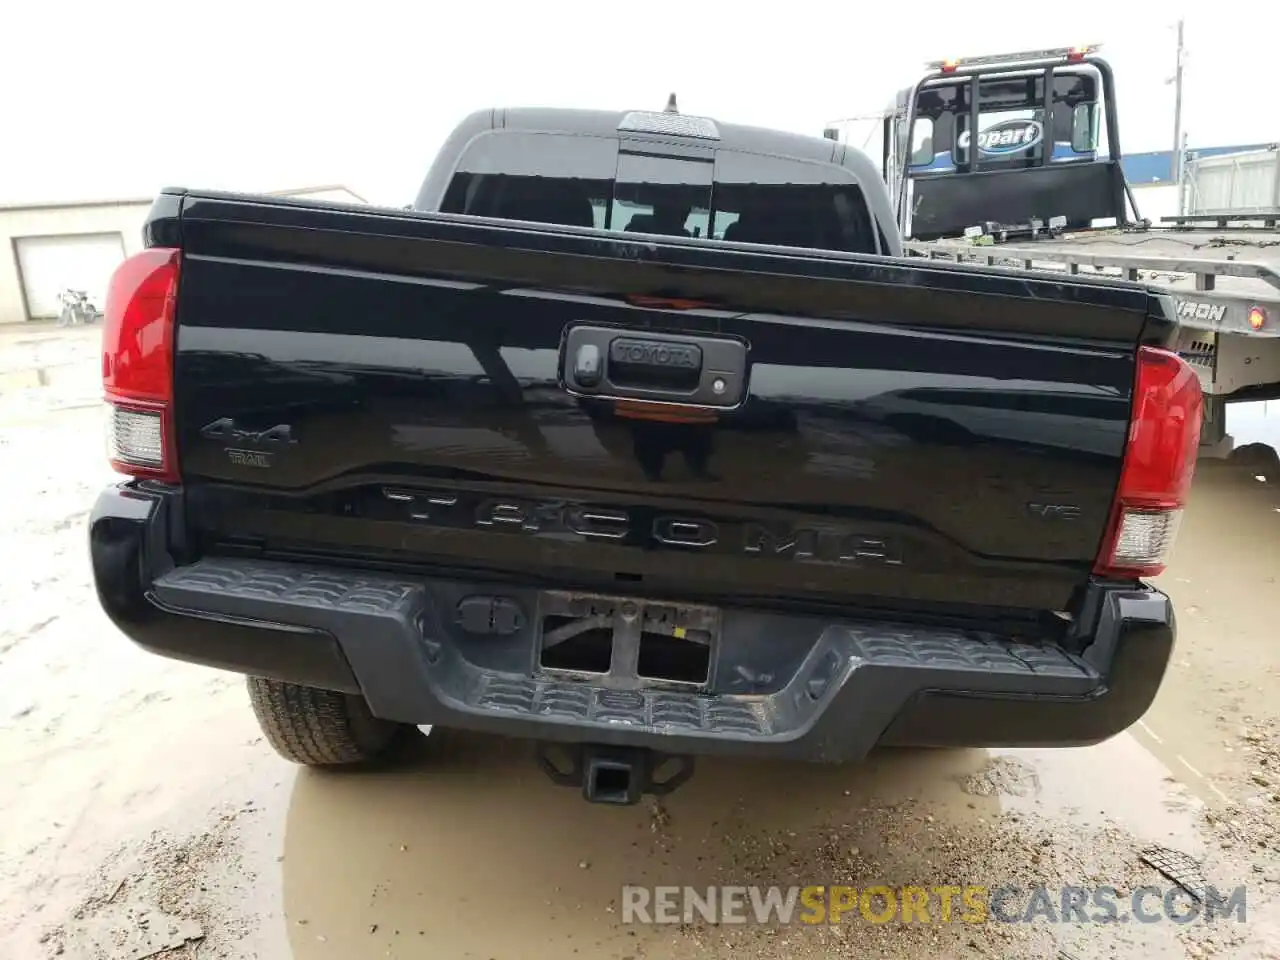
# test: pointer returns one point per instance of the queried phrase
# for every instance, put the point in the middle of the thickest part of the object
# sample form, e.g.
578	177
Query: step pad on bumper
288	585
653	709
960	651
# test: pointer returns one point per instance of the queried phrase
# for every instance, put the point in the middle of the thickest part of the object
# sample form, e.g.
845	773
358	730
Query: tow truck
1044	190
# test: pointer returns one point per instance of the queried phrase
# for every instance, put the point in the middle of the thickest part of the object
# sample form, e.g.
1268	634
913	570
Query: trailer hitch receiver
613	775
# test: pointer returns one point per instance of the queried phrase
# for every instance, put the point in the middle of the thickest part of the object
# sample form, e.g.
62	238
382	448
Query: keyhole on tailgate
587	365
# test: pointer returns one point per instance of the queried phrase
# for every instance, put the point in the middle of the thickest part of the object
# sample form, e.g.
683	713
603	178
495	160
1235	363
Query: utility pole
1187	184
1179	150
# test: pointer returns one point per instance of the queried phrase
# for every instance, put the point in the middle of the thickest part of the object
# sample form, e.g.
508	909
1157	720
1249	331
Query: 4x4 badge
227	431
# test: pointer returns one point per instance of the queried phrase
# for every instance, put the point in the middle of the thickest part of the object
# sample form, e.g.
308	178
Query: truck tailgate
390	387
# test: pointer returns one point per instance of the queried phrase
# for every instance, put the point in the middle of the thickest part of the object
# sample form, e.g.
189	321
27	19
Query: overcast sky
120	98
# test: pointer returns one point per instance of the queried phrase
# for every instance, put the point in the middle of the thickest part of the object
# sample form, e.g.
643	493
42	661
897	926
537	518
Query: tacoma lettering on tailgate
826	544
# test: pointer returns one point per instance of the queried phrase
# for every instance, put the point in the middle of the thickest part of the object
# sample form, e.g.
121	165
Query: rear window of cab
632	187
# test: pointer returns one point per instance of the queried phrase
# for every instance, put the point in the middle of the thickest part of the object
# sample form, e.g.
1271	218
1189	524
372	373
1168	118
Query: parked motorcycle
77	308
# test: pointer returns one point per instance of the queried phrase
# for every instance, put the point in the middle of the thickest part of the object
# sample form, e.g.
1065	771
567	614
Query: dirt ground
144	817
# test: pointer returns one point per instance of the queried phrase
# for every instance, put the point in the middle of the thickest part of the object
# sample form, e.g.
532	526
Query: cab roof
661	124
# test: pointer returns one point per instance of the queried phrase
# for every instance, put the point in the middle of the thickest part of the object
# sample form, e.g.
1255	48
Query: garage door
49	265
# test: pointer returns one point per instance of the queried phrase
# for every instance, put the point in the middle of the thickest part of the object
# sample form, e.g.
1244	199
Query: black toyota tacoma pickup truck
637	437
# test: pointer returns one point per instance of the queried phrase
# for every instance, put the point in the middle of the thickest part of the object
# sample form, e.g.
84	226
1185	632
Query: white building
49	247
1151	177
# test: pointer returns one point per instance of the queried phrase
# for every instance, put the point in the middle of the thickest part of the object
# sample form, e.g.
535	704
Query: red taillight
1159	463
1257	318
137	364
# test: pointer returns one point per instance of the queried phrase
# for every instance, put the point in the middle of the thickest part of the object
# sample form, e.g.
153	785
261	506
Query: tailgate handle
609	363
655	363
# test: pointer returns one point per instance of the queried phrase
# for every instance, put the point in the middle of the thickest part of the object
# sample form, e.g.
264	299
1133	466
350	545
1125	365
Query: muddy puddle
145	818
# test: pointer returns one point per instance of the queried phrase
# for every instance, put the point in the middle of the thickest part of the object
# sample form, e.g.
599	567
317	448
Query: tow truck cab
1048	144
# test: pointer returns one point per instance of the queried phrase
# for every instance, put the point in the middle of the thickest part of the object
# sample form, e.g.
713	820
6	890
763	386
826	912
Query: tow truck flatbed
1220	275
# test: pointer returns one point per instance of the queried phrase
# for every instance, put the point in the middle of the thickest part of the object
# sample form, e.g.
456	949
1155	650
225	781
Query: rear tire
320	728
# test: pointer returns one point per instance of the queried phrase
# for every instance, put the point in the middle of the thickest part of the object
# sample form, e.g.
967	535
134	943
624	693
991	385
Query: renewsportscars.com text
936	904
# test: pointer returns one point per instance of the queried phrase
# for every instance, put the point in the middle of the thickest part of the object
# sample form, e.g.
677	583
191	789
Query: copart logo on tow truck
1201	311
1007	136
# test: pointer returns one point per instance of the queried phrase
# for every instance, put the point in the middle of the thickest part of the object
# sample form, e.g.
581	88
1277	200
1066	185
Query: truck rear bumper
786	686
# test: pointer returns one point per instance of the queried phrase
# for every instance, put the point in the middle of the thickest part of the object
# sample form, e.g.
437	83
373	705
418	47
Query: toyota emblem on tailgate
655	353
